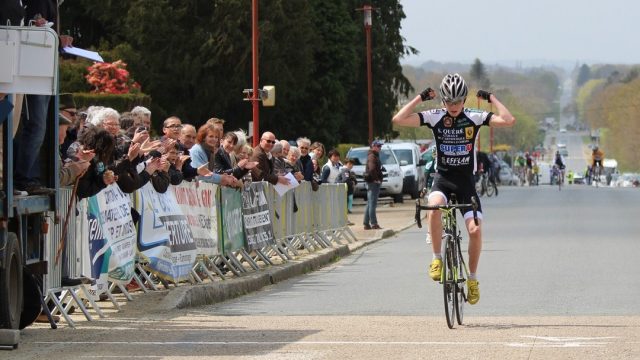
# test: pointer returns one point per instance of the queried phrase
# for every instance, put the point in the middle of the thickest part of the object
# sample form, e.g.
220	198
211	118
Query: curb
210	293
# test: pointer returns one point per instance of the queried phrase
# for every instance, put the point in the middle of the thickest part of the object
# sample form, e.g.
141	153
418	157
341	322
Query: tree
479	75
194	59
584	75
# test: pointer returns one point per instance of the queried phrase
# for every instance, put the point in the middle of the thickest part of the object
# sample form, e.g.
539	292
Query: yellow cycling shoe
473	291
435	269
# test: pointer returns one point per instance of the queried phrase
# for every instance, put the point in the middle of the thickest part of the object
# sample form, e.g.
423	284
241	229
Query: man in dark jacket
373	178
264	169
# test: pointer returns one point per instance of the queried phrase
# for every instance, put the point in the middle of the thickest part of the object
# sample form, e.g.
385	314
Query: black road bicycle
454	269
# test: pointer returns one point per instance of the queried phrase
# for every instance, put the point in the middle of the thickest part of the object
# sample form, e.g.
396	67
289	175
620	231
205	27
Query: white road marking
538	341
563	342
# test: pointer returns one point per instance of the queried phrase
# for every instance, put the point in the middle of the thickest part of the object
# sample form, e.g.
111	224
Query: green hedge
120	102
71	76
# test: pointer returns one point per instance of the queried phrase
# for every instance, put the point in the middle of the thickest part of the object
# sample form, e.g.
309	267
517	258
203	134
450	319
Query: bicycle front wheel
448	283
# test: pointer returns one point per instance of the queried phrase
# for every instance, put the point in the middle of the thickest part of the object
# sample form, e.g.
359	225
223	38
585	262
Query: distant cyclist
519	165
455	129
529	164
597	155
559	163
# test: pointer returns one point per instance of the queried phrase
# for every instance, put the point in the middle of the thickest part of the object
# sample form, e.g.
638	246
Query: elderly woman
207	143
292	165
141	116
109	119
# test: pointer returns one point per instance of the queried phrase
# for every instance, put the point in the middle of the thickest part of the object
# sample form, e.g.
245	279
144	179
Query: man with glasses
305	158
171	128
264	171
455	129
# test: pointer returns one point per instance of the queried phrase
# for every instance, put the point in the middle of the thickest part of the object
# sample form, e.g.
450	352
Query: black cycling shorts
464	188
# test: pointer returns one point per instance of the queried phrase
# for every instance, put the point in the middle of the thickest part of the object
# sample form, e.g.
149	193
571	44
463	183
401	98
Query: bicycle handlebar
473	206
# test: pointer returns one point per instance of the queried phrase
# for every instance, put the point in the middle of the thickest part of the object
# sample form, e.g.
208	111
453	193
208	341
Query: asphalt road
546	252
557	279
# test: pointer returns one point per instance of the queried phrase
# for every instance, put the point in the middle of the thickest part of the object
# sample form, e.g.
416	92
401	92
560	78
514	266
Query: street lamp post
255	96
367	28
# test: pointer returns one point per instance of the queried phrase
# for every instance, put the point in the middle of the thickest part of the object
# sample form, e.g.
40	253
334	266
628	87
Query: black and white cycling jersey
455	138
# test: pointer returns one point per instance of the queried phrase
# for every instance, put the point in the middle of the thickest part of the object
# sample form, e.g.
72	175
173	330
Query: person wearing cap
67	108
70	170
373	178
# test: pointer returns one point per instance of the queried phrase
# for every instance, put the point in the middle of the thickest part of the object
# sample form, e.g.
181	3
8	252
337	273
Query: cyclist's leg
435	221
438	196
475	240
475	247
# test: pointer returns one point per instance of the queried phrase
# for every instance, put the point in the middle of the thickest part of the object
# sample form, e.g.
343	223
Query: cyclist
519	166
455	129
529	164
559	162
597	156
536	172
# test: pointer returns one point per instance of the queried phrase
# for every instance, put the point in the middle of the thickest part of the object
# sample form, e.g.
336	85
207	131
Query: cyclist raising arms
455	129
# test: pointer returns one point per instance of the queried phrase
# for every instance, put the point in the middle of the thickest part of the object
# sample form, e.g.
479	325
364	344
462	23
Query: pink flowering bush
111	78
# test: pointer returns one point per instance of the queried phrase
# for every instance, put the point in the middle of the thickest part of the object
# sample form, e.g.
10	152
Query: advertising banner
199	205
165	238
231	214
257	217
112	237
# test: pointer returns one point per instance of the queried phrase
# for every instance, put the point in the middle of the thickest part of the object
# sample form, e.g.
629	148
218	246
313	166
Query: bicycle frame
455	270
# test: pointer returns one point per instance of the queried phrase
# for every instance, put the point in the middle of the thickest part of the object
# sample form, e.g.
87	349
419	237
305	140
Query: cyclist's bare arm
406	116
503	118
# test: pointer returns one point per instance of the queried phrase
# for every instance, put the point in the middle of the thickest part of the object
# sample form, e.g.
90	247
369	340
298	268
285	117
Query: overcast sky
507	31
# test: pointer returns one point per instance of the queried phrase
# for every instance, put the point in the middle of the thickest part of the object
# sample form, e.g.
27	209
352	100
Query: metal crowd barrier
302	220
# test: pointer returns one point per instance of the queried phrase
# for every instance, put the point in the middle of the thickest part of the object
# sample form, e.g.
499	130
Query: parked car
412	167
626	180
391	172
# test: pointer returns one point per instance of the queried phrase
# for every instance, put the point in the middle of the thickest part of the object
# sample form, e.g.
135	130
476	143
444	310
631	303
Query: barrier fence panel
304	218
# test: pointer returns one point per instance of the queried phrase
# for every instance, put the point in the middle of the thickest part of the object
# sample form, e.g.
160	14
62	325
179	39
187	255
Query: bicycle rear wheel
448	284
460	297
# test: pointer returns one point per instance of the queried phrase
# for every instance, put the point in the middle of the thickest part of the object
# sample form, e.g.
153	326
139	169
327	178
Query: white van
544	173
412	166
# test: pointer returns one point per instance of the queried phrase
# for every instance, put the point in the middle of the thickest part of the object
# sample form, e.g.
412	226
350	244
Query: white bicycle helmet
453	88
